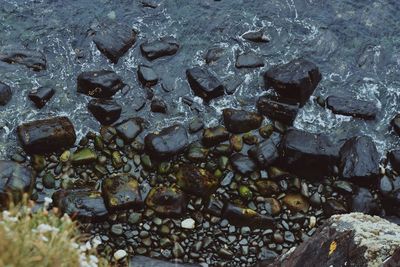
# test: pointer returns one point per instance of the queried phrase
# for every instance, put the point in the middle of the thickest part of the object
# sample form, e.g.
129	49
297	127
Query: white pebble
188	223
120	254
313	222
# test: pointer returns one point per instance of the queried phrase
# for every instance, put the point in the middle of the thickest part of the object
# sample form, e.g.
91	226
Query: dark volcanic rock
41	96
257	36
34	60
359	160
196	181
333	206
147	76
158	106
43	136
241	121
142	261
168	142
159	48
295	80
396	124
129	129
307	154
242	164
167	201
106	111
246	217
99	84
249	60
352	107
85	205
264	153
394	157
15	180
204	84
279	109
121	191
214	136
115	41
363	201
5	94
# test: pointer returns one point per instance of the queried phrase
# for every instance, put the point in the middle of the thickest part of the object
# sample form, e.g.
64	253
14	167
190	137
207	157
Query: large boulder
166	46
204	84
352	107
5	94
307	154
359	160
32	59
99	84
168	142
45	136
353	239
15	180
295	80
277	108
241	121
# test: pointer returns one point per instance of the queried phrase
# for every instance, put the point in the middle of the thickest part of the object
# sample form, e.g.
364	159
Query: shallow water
355	44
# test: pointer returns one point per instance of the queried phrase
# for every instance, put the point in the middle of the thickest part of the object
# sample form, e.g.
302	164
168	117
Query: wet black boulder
395	122
278	108
32	59
166	46
249	60
265	153
363	201
147	76
255	36
41	96
394	157
5	94
106	111
352	107
295	80
214	135
45	136
242	164
82	204
114	41
158	106
99	84
246	217
307	154
359	160
168	142
15	180
241	121
204	84
129	129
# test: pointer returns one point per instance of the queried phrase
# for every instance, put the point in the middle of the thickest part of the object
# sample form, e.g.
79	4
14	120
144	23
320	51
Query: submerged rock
168	142
352	107
204	84
34	60
49	135
83	204
256	36
114	41
166	46
99	84
5	94
167	201
106	111
395	122
277	108
242	164
158	106
249	60
196	181
213	54
147	76
15	180
41	96
246	217
141	261
129	129
215	135
394	158
359	160
295	80
241	121
264	153
121	191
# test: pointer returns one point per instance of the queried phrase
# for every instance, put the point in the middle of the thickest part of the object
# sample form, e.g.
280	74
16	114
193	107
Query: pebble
120	254
117	229
188	223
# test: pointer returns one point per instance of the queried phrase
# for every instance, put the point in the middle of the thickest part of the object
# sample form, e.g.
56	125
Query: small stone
117	229
134	217
177	251
120	254
188	223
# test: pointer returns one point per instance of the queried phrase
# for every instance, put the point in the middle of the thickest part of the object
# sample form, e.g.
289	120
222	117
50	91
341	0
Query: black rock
249	60
196	181
295	80
129	129
385	186
106	111
141	261
364	202
333	206
82	204
277	108
15	180
246	217
34	60
215	135
5	94
41	96
359	160
167	201
214	207
204	84
196	125
159	48
242	164
241	121
158	105
257	37
264	153
114	41
49	135
168	142
150	3
352	107
396	124
99	84
394	157
307	154
147	76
